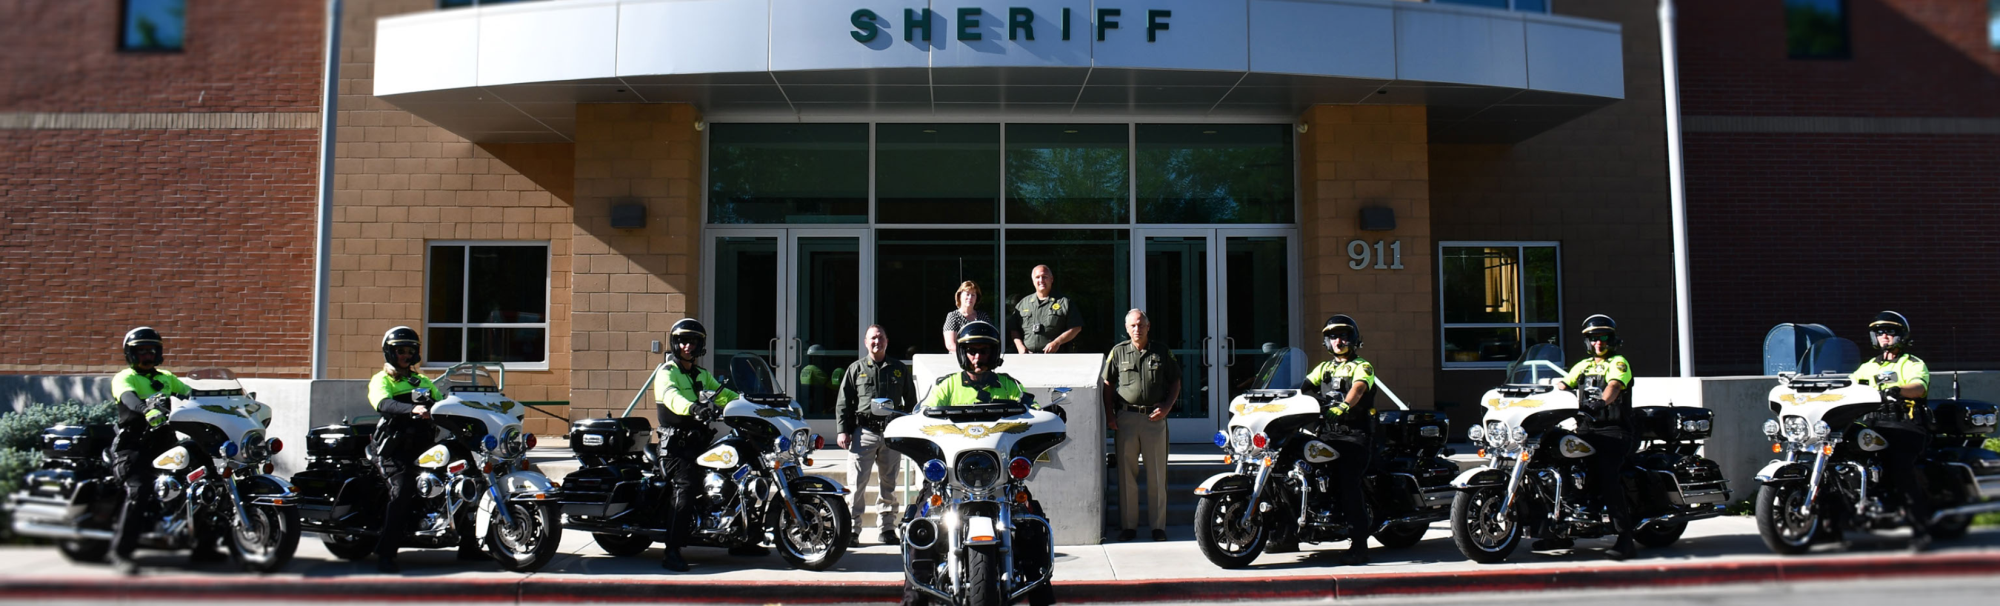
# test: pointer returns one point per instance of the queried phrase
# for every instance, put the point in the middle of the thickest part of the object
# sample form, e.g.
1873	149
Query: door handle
798	354
1205	341
774	348
1229	347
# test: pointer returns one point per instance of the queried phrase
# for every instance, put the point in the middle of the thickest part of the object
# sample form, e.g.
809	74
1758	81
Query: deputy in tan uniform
1142	380
861	424
1044	321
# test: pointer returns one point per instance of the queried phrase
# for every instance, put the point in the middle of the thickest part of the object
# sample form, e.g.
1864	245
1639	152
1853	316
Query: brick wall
1598	186
1352	157
1909	58
240	56
400	183
631	284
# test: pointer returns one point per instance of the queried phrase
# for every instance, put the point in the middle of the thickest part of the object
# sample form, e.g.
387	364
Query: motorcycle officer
1904	417
1345	386
979	350
404	398
685	415
1605	382
142	391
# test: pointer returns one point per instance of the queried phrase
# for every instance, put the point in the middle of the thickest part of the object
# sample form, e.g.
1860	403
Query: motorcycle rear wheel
1398	537
1951	527
1476	530
1223	538
347	546
1783	530
1660	535
818	541
622	545
86	551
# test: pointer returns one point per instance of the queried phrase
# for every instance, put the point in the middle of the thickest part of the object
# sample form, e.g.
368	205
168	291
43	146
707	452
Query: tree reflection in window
154	25
1215	173
1068	173
788	173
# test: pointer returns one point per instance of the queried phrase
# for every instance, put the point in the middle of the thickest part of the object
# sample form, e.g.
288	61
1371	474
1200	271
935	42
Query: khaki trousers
1137	438
868	453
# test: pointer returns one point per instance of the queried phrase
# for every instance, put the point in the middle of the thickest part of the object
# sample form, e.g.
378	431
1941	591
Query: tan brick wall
1351	157
401	182
631	284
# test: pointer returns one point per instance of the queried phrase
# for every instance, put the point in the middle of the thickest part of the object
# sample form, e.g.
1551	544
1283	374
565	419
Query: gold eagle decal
1500	403
1799	398
976	430
1240	409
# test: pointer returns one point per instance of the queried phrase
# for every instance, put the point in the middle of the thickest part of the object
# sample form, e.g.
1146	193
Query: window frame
1520	247
548	284
125	14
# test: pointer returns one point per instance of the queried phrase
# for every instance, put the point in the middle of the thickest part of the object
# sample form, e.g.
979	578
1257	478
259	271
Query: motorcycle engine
718	488
167	487
429	485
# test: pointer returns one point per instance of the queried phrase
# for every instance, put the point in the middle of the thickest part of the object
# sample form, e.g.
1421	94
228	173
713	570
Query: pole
323	242
1670	76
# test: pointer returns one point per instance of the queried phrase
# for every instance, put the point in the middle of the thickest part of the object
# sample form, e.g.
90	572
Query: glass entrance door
1222	300
794	297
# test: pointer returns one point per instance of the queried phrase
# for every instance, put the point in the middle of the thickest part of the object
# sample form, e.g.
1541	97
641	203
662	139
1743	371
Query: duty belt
873	422
1140	408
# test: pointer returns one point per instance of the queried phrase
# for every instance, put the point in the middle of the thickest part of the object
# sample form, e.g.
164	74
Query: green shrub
1989	519
22	430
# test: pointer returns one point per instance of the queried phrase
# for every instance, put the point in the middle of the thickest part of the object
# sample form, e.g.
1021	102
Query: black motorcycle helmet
1342	324
1601	324
688	330
979	334
140	337
1890	323
401	336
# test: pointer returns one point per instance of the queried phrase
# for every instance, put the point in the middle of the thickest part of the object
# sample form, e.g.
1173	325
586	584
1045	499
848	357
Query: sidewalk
1714	551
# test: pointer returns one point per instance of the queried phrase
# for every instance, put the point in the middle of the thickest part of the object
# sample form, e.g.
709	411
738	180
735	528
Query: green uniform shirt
870	380
141	385
952	390
1141	377
1613	368
678	391
1903	370
1342	376
1042	320
383	386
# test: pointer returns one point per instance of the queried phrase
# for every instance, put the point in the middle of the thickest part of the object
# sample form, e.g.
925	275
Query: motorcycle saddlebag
601	492
76	441
1962	417
1679	423
610	437
1417	429
341	442
1701	482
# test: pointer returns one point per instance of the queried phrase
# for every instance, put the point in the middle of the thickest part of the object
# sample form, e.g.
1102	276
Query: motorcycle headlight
1239	437
1517	435
1795	428
978	470
1771	428
1476	434
1820	429
802	442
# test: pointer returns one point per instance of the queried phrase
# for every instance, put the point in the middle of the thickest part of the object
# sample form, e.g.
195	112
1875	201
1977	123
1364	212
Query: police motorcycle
476	478
1279	493
977	536
216	483
754	488
1830	480
1533	484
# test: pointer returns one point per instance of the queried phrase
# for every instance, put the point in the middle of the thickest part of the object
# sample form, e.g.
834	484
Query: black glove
707	413
423	398
1892	393
1593	403
157	409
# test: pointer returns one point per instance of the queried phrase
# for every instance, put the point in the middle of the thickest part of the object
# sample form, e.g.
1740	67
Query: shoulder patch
1620	365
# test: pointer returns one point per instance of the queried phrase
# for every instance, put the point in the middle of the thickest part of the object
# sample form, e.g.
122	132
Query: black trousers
1899	471
1607	475
683	478
131	462
399	478
1349	472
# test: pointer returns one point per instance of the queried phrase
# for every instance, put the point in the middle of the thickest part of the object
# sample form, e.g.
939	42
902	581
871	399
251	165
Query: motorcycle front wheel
530	541
1478	528
266	539
1222	534
1784	519
817	540
982	576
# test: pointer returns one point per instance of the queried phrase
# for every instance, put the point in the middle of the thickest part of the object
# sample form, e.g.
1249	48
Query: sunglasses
1598	338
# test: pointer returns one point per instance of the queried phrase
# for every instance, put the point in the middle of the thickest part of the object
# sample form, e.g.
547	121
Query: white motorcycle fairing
953	439
1256	413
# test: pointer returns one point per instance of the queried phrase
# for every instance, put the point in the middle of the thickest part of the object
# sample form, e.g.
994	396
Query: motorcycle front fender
1781	472
816	485
1485	476
527	486
1226	483
267	489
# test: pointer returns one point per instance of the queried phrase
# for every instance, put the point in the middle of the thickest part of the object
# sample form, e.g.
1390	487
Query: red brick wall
1833	228
88	215
241	56
92	217
1909	58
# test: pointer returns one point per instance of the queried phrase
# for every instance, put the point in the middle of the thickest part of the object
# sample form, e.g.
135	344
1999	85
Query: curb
551	590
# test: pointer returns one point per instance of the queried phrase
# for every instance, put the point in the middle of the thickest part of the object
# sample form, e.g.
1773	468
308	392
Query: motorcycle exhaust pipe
921	534
1966	510
51	531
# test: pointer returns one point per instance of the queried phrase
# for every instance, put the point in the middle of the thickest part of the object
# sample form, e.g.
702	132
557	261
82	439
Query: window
937	173
1215	173
1495	298
1532	6
1069	173
153	25
916	273
488	302
1993	24
1816	29
788	173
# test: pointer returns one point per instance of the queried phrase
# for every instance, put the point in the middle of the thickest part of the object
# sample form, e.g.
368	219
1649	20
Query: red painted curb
585	589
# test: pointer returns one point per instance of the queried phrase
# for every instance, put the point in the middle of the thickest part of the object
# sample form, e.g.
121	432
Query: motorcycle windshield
1831	356
212	382
750	375
1542	362
469	377
1277	372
